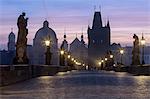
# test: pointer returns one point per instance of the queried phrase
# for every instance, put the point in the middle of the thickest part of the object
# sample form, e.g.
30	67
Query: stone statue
136	51
21	55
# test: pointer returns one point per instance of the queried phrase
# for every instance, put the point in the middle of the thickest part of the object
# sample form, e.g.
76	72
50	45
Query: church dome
44	32
39	46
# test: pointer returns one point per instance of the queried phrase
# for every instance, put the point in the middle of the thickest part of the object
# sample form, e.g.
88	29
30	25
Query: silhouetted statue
136	51
21	55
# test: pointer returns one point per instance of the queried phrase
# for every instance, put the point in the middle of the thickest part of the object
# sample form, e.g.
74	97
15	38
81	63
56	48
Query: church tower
64	44
63	47
11	41
98	40
82	39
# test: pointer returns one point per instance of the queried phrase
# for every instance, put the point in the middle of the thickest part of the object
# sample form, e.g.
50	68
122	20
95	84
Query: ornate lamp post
106	62
143	44
121	52
102	64
62	57
69	60
48	53
111	60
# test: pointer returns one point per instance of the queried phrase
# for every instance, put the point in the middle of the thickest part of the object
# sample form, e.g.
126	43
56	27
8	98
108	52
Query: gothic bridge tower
98	40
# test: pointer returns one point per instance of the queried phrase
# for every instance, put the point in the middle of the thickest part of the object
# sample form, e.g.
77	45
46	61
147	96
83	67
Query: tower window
93	41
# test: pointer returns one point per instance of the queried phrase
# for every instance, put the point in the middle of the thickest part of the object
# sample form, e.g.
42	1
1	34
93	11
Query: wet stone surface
81	85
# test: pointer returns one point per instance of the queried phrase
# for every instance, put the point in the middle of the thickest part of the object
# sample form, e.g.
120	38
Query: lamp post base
48	56
143	62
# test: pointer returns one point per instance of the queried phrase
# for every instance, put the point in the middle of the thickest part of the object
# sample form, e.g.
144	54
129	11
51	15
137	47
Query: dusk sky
126	18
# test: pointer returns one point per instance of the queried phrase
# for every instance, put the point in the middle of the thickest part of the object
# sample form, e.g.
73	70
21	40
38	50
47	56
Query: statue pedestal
24	61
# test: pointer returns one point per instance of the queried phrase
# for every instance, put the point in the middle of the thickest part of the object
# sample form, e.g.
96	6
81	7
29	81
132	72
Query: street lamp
83	64
62	57
69	60
106	59
48	53
111	56
69	56
102	64
111	60
72	59
75	61
143	44
47	42
102	61
99	63
62	52
121	52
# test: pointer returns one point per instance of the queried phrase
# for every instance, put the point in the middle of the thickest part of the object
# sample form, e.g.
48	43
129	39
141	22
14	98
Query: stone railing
10	74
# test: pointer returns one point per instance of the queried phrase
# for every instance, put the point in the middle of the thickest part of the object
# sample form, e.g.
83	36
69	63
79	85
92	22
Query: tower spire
108	25
97	21
82	35
76	35
94	8
100	8
11	29
82	38
64	33
142	35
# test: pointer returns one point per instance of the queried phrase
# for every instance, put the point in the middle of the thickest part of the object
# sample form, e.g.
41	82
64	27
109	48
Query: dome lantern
45	24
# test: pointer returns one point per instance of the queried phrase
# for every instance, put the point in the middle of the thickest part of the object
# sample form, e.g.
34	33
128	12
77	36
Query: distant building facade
6	56
128	55
98	39
30	53
115	48
11	42
79	50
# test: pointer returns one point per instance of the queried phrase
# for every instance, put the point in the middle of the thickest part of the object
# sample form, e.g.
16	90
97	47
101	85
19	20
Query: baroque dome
40	48
44	32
